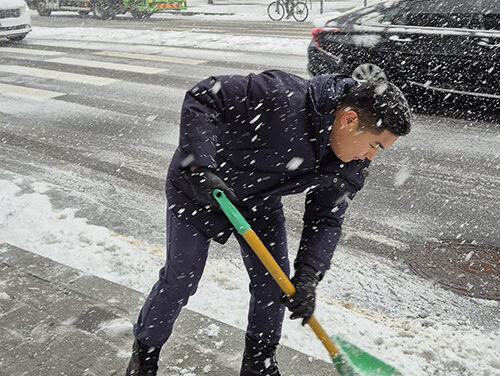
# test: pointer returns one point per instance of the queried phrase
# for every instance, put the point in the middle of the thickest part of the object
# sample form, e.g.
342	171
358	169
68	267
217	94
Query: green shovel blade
355	362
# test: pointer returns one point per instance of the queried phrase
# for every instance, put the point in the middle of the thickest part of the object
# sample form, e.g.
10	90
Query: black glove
203	181
301	304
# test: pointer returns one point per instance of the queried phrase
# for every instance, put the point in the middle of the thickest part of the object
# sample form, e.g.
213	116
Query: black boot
259	360
144	360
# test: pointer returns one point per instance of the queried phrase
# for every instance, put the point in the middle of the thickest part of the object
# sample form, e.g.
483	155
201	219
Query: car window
369	14
395	15
443	13
490	10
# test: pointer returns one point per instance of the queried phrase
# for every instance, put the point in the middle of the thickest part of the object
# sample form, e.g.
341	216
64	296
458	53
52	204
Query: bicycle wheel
276	11
300	11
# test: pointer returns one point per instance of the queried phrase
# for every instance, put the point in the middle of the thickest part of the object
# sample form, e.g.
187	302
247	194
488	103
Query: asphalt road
108	145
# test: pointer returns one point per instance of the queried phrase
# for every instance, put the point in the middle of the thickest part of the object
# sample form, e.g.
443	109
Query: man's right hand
203	181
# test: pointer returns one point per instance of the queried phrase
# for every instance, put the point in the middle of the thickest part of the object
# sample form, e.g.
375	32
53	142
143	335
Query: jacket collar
325	94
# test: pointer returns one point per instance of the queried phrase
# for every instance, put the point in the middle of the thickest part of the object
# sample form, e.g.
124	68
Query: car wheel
17	38
41	8
140	15
369	72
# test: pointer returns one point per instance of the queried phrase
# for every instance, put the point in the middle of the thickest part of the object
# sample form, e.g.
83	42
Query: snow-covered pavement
129	37
408	322
371	301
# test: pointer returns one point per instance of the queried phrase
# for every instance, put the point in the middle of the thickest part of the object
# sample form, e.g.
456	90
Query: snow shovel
349	360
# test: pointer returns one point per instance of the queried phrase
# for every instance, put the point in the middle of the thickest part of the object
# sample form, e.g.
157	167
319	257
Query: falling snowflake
215	89
401	176
255	119
294	163
188	160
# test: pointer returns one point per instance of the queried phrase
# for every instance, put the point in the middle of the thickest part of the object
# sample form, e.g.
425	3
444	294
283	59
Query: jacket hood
325	94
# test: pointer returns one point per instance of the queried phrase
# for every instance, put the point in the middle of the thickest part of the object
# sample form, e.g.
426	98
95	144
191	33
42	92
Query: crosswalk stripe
56	75
106	65
162	58
28	91
29	51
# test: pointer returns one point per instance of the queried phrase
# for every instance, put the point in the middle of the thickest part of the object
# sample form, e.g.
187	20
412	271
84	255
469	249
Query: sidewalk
256	10
56	320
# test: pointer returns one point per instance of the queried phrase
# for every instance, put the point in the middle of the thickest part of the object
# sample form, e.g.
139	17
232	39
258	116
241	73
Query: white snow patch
381	88
468	257
207	368
4	296
402	175
151	118
294	163
188	38
368	40
39	187
212	330
187	160
257	117
216	87
116	327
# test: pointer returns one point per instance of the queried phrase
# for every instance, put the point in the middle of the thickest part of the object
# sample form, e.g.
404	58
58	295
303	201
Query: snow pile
116	327
28	220
266	44
406	321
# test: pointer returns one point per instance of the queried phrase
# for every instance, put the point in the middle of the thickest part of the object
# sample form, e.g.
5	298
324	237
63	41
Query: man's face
349	142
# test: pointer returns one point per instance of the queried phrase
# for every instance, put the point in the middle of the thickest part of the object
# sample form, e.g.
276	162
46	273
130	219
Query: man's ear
348	119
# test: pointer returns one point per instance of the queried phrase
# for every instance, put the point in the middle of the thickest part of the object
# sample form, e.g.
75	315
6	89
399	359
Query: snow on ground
174	39
408	322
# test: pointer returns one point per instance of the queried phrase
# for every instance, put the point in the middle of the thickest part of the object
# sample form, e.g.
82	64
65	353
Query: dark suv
446	46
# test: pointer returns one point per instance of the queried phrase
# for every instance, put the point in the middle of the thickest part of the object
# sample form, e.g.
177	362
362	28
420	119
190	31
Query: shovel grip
286	285
233	214
333	351
269	263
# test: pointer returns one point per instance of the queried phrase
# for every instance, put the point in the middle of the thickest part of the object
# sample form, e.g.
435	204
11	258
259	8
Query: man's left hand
301	304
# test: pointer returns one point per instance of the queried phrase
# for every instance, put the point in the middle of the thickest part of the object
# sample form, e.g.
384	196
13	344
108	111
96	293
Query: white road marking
106	65
29	51
77	45
28	91
162	58
56	75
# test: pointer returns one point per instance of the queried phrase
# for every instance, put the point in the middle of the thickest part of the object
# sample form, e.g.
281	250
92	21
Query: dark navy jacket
267	135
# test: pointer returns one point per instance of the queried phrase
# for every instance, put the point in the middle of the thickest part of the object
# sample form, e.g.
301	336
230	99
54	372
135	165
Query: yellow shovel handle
286	286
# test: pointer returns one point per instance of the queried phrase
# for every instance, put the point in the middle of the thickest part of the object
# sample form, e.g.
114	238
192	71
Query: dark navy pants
187	250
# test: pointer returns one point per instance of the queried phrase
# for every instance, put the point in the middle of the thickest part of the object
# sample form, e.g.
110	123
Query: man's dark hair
380	106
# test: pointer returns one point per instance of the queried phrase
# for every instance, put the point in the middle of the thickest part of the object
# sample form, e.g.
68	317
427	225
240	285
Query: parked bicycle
291	8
